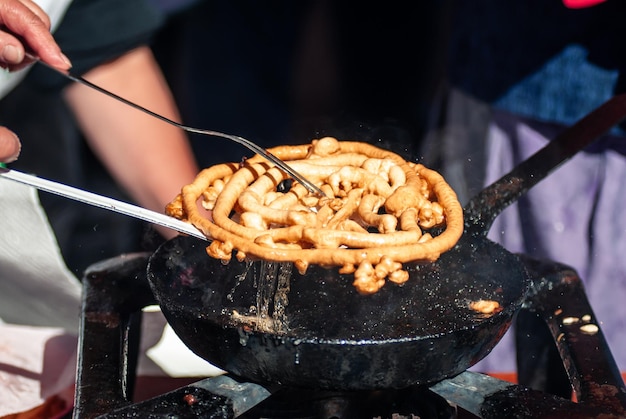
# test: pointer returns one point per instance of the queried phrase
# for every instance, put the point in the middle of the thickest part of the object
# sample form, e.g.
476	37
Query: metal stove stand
116	291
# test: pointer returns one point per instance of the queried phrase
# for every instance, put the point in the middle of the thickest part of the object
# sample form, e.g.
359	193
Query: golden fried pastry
378	211
486	307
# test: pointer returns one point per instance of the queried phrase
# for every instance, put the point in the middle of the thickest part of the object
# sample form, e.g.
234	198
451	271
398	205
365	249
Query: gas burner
409	403
116	291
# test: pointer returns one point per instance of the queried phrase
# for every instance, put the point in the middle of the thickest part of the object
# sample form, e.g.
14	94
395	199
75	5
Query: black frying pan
326	335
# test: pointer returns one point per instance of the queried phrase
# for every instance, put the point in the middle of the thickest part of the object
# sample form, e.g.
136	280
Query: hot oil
281	296
272	296
240	278
272	284
266	287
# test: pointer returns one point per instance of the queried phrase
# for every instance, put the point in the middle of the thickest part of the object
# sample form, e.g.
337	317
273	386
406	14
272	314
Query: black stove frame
116	290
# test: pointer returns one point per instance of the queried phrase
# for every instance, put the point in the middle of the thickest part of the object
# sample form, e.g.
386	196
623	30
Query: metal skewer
240	140
100	201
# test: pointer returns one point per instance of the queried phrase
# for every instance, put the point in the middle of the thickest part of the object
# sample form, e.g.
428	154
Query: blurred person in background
74	135
58	125
518	74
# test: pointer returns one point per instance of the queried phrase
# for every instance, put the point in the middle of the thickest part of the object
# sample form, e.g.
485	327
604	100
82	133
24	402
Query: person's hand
25	26
9	145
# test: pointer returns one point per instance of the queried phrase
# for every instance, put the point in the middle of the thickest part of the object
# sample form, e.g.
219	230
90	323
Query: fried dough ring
359	179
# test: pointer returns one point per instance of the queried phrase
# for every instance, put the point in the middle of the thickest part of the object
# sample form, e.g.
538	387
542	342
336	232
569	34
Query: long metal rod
310	186
102	202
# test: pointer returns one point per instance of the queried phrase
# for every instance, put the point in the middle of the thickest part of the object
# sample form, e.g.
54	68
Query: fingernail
65	60
11	54
18	148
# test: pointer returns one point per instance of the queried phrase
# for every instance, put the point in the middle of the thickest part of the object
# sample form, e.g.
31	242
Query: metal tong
240	140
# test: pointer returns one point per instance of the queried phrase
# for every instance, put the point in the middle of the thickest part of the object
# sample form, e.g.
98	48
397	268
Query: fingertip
65	60
56	59
11	54
10	145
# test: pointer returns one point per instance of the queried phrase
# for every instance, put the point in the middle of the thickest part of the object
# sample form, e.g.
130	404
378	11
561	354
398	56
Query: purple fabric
575	216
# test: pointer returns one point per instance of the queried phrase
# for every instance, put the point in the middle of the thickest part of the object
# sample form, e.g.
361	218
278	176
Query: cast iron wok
265	322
